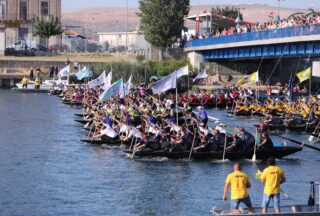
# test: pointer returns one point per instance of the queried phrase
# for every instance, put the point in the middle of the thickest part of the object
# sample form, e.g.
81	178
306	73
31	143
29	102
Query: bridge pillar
195	58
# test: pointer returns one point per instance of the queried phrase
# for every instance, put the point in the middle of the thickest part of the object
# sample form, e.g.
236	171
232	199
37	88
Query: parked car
24	45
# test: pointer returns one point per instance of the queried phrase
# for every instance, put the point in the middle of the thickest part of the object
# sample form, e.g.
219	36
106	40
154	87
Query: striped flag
114	89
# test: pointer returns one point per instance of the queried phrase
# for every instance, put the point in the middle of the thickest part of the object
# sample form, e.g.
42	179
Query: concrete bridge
246	50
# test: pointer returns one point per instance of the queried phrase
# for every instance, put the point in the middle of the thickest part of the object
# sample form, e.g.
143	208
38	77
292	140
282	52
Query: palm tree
45	28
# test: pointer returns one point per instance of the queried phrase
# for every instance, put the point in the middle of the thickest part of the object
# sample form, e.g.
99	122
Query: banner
251	78
163	85
182	72
201	75
64	72
114	89
304	75
84	73
99	81
316	69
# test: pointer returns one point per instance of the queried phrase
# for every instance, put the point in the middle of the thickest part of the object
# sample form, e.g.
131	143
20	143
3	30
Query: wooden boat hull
277	152
107	141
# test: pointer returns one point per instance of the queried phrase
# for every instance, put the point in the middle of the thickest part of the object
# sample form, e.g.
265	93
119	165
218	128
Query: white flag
316	69
64	72
201	75
163	85
127	87
182	72
99	81
108	81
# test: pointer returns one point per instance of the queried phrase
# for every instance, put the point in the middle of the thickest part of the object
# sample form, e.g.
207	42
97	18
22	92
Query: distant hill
113	19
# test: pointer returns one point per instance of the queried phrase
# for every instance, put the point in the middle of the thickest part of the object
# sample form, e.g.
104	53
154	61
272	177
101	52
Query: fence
259	35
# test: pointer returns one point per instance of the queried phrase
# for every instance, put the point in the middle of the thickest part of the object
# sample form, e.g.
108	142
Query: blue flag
84	73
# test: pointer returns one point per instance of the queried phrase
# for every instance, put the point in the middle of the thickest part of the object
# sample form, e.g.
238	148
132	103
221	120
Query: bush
141	72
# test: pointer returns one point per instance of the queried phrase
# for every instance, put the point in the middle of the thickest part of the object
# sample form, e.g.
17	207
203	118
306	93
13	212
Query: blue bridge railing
258	35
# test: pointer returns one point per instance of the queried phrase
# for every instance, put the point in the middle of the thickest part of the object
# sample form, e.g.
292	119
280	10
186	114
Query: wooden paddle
194	138
225	146
298	142
254	157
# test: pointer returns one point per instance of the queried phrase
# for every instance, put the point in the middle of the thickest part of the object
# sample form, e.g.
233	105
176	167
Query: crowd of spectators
253	27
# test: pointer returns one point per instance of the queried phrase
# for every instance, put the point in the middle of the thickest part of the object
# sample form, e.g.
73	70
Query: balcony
25	18
256	36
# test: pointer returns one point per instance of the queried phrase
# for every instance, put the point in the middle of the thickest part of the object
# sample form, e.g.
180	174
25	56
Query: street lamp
278	16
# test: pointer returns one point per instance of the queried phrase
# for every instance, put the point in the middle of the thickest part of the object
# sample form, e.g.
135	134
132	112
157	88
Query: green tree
162	20
45	28
231	12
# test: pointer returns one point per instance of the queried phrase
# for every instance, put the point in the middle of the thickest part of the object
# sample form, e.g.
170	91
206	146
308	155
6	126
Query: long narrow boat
277	152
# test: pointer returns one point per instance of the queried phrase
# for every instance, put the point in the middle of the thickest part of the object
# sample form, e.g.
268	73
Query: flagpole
177	114
310	83
188	86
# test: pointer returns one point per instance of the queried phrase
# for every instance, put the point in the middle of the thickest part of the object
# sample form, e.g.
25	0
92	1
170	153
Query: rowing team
301	106
157	124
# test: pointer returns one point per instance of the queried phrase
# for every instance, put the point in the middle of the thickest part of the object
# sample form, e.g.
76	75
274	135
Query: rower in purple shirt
203	116
107	120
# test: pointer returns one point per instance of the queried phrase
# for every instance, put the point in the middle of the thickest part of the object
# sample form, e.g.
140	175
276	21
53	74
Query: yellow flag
304	75
254	77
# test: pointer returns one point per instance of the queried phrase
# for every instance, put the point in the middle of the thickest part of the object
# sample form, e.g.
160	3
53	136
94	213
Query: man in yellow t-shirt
239	182
37	84
25	82
272	177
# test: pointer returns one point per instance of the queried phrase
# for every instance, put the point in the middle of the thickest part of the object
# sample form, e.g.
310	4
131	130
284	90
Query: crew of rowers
277	112
157	124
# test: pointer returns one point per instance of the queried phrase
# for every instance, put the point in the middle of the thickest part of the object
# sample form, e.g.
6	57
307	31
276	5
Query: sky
71	4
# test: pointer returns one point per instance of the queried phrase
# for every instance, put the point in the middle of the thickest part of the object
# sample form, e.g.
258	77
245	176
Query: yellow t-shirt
272	177
25	81
37	82
238	182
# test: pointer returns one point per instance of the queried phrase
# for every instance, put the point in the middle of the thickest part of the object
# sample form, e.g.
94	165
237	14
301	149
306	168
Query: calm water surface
46	170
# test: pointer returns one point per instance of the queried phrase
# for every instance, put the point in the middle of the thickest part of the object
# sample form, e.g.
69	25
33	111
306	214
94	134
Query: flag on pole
254	77
64	72
163	85
201	75
84	73
127	86
94	83
316	68
108	80
304	75
114	89
182	71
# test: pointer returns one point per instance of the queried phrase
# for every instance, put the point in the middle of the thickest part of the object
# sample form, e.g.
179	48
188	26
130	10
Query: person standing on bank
56	71
272	177
51	71
239	182
31	75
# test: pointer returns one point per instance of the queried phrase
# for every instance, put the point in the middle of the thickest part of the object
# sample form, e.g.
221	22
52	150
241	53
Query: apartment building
17	19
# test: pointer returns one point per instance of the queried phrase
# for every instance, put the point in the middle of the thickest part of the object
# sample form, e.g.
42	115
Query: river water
46	170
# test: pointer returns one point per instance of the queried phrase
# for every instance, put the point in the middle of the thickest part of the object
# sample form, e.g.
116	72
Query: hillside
114	19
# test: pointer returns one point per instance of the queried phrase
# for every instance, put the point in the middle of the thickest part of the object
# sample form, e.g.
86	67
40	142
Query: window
3	9
23	10
23	34
44	5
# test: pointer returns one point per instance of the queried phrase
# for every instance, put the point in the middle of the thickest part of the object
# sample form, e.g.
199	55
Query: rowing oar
194	138
224	146
254	157
299	143
315	130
